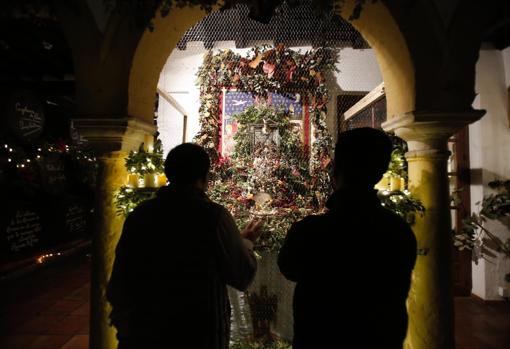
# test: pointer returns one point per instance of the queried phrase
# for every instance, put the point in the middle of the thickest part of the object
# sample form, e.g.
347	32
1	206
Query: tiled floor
49	309
480	325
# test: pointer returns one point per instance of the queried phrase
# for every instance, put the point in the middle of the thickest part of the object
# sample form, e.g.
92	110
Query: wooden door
459	175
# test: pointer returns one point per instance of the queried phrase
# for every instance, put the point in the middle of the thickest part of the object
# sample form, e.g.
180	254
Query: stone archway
376	25
430	302
150	56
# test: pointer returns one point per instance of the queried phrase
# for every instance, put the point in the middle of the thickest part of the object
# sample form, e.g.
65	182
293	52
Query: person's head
187	165
362	156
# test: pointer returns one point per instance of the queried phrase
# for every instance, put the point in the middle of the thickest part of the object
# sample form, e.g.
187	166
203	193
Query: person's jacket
176	255
352	266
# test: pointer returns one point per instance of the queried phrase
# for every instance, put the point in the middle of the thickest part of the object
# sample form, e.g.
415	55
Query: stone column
112	139
430	302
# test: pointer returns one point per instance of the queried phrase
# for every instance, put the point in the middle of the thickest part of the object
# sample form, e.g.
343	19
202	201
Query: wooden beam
168	97
184	127
371	97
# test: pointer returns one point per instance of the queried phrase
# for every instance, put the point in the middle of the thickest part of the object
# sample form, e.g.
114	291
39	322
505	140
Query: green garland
400	201
278	169
140	163
265	69
398	163
298	182
305	178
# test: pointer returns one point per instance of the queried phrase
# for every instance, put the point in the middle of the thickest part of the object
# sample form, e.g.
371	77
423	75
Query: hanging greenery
399	198
267	69
402	203
270	179
145	161
145	168
398	163
296	180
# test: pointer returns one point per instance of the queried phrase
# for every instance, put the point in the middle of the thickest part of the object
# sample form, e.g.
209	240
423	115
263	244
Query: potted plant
476	236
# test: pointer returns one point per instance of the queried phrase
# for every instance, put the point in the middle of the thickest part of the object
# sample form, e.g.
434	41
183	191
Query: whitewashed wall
490	156
358	71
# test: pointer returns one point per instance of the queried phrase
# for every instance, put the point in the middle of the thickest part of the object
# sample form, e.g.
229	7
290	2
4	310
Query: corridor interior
49	309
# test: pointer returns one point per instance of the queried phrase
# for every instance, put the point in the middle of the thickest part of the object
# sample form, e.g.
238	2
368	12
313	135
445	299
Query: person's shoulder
393	218
310	222
398	225
142	209
211	208
211	205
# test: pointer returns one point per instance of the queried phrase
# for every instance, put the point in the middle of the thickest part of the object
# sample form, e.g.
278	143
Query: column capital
113	134
422	125
427	132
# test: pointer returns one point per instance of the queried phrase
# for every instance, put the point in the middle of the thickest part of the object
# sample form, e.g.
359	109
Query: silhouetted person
174	259
353	264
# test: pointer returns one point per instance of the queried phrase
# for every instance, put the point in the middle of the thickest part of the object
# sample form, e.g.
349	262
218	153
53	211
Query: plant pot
395	183
150	180
132	180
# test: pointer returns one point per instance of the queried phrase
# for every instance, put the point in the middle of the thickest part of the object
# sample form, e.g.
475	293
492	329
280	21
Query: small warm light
22	165
38	156
10	149
28	160
42	258
6	146
9	160
39	149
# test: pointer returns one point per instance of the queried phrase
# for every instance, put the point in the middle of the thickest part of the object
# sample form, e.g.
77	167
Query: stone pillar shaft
112	139
430	302
111	176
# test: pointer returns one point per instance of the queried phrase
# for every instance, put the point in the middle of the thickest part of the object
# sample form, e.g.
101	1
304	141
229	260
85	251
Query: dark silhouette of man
353	264
176	254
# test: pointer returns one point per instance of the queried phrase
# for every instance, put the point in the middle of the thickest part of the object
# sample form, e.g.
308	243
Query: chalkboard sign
76	220
23	231
25	116
53	173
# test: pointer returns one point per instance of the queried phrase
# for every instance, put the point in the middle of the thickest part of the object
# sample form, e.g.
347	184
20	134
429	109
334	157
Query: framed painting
234	102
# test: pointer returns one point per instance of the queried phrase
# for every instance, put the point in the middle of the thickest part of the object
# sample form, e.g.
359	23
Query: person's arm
237	260
290	257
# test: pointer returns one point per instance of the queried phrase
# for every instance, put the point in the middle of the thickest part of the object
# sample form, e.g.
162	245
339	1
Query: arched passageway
430	303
